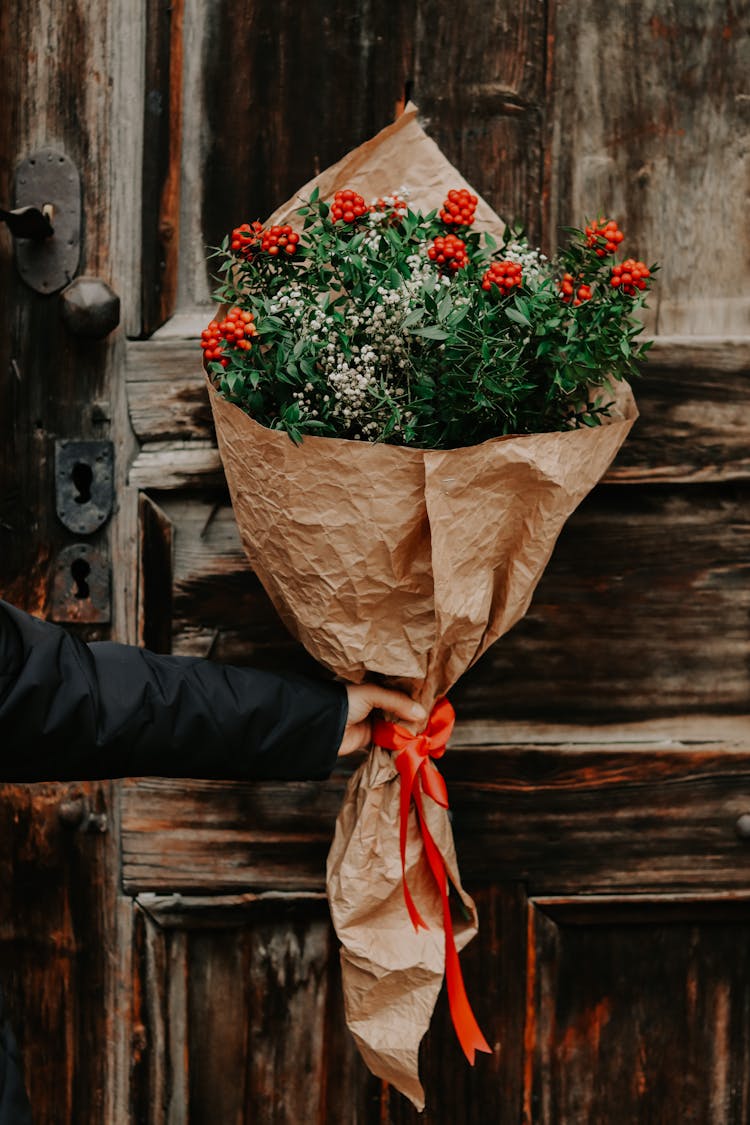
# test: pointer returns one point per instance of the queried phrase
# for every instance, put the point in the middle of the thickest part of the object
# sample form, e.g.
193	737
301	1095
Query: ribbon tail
409	781
466	1027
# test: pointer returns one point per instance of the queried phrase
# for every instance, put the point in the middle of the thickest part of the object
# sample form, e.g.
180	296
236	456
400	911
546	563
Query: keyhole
82	478
80	570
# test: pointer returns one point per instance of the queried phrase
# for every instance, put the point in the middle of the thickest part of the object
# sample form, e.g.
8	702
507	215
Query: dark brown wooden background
179	966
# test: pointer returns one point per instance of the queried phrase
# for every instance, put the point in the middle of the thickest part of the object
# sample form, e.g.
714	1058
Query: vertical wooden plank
288	959
649	109
635	1018
479	81
289	89
55	942
491	1090
53	384
218	1030
162	108
154	576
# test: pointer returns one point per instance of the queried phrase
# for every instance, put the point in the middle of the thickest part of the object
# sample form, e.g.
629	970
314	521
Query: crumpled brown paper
405	564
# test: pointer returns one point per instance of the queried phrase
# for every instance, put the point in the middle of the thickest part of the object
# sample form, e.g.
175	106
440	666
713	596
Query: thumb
395	703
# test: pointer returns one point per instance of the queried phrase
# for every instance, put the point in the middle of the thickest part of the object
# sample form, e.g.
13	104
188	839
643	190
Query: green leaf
431	332
517	317
413	317
444	306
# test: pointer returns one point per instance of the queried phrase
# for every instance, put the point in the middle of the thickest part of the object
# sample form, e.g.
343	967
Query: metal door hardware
29	222
48	181
80	591
75	812
742	826
84	484
90	308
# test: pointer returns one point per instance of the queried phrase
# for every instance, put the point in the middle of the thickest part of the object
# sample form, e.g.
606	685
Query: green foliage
445	362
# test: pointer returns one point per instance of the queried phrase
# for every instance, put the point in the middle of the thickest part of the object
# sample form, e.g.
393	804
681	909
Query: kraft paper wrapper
406	565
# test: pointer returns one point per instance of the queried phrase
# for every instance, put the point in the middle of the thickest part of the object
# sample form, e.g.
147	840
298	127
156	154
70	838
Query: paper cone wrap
405	565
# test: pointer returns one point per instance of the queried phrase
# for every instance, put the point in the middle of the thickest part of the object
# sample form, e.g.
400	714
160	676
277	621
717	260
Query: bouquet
409	402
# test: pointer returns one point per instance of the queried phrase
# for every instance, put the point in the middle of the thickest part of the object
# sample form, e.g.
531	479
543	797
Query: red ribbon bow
419	775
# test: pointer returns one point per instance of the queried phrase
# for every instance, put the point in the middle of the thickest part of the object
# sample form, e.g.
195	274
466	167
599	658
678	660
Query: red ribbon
419	775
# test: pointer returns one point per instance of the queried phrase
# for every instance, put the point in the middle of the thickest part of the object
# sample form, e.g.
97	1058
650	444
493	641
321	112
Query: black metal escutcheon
84	484
49	180
81	591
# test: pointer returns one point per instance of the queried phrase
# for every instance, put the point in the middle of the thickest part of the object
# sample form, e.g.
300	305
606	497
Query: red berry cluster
572	293
608	233
630	276
505	275
348	205
245	239
459	208
449	252
279	239
235	330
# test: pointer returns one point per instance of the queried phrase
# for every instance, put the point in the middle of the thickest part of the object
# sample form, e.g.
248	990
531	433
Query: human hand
363	699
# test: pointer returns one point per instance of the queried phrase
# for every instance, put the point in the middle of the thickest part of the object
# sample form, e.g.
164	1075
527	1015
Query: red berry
603	236
458	208
630	276
244	240
348	205
449	251
505	275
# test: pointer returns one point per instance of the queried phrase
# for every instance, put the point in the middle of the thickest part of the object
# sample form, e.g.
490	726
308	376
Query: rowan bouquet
380	323
451	396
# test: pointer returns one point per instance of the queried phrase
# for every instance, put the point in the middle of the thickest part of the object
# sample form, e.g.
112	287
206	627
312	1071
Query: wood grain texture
56	892
642	611
693	399
261	983
55	385
162	127
566	820
648	115
240	1019
673	1030
155	552
482	97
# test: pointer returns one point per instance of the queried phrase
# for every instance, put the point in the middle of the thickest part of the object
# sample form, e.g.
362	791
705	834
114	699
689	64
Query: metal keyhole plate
50	178
83	484
81	585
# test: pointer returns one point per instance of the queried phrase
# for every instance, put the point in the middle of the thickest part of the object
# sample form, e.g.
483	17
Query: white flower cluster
368	380
535	266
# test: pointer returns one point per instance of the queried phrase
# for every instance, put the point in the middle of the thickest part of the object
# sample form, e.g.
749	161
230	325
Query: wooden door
180	949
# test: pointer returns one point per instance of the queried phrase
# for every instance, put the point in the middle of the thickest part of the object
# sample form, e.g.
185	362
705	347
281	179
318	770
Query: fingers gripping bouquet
409	403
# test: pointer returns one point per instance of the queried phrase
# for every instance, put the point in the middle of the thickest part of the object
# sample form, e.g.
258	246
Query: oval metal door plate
50	177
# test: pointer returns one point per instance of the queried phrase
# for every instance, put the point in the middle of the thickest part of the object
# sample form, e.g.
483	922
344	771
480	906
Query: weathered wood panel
243	1024
624	623
255	64
266	1039
55	385
648	121
482	97
162	127
55	900
603	1049
567	819
694	401
643	610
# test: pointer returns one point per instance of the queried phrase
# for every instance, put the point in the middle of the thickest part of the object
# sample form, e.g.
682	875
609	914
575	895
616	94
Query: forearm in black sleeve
70	710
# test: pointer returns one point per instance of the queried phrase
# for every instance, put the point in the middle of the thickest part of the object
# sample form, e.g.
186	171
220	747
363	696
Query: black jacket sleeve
74	711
